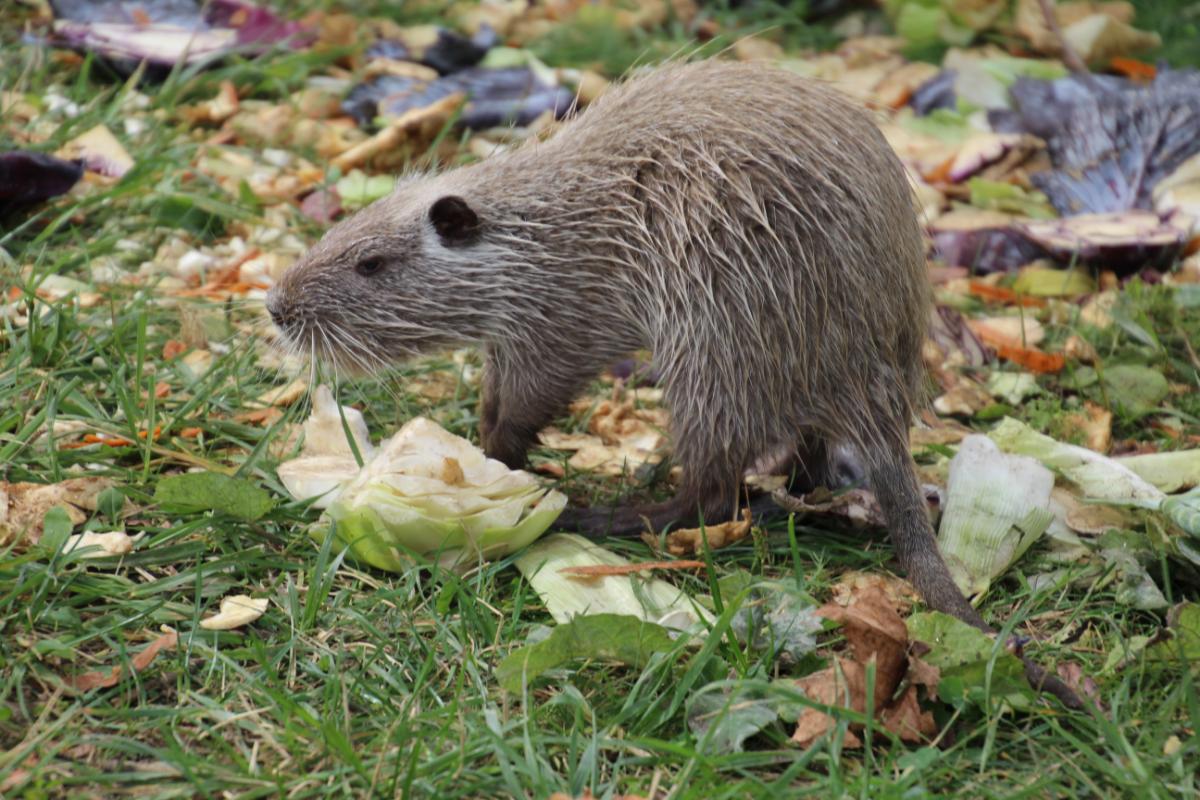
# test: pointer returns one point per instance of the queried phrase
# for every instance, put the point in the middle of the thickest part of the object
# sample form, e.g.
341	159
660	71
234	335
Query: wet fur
750	227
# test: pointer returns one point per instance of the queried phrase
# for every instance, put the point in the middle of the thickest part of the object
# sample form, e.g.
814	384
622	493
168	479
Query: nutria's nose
276	308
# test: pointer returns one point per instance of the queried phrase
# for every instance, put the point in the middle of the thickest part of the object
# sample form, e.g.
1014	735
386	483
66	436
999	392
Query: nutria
748	226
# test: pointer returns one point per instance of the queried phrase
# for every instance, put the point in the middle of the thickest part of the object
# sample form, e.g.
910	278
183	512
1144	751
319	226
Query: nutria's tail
895	485
899	495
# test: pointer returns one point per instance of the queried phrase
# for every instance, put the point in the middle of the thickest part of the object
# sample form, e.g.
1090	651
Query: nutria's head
387	283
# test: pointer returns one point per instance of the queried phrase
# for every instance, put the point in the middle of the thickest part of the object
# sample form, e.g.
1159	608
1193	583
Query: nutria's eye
369	266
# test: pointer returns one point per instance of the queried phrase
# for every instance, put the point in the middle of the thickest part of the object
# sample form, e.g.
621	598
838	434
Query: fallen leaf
100	152
236	611
194	492
23	506
602	570
419	122
898	592
858	506
874	630
1002	294
608	637
691	540
1078	348
1094	422
1096	311
1099	38
965	398
842	686
905	718
103	545
139	662
876	635
1031	358
1013	331
215	111
260	416
623	435
196	364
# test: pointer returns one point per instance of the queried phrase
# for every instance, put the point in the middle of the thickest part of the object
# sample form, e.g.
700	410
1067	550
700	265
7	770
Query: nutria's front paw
504	445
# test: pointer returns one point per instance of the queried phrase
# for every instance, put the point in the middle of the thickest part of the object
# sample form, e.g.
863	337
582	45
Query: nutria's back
744	207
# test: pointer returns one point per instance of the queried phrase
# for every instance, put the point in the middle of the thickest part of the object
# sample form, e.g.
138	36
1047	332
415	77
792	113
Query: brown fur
750	227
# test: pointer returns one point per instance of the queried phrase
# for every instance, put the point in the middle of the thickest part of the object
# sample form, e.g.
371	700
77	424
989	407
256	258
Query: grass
360	683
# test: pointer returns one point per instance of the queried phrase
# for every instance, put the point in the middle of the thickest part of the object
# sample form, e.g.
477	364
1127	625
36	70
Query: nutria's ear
454	220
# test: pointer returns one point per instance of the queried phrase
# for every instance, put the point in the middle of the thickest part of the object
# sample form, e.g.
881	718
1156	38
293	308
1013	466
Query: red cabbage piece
27	178
1126	241
982	241
512	95
451	51
1110	140
164	33
935	93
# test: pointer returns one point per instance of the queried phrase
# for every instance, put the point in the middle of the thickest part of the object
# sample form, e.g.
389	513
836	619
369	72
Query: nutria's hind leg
709	501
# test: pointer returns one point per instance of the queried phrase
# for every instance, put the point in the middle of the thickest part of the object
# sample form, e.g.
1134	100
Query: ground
358	682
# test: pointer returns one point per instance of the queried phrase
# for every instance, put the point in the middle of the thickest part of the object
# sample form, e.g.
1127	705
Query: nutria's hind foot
619	521
602	521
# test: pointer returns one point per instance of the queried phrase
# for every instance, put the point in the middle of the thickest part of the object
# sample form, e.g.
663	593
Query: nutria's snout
278	308
289	323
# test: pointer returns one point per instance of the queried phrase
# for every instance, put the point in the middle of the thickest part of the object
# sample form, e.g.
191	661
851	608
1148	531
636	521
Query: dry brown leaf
898	85
1014	331
23	506
843	685
875	634
906	719
1082	684
1096	310
898	592
622	423
965	398
1094	422
943	432
236	611
139	662
263	417
1030	21
859	506
1078	348
280	396
114	543
437	385
556	439
755	48
100	152
420	123
691	540
1090	518
921	673
623	436
873	629
603	570
215	111
1099	38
